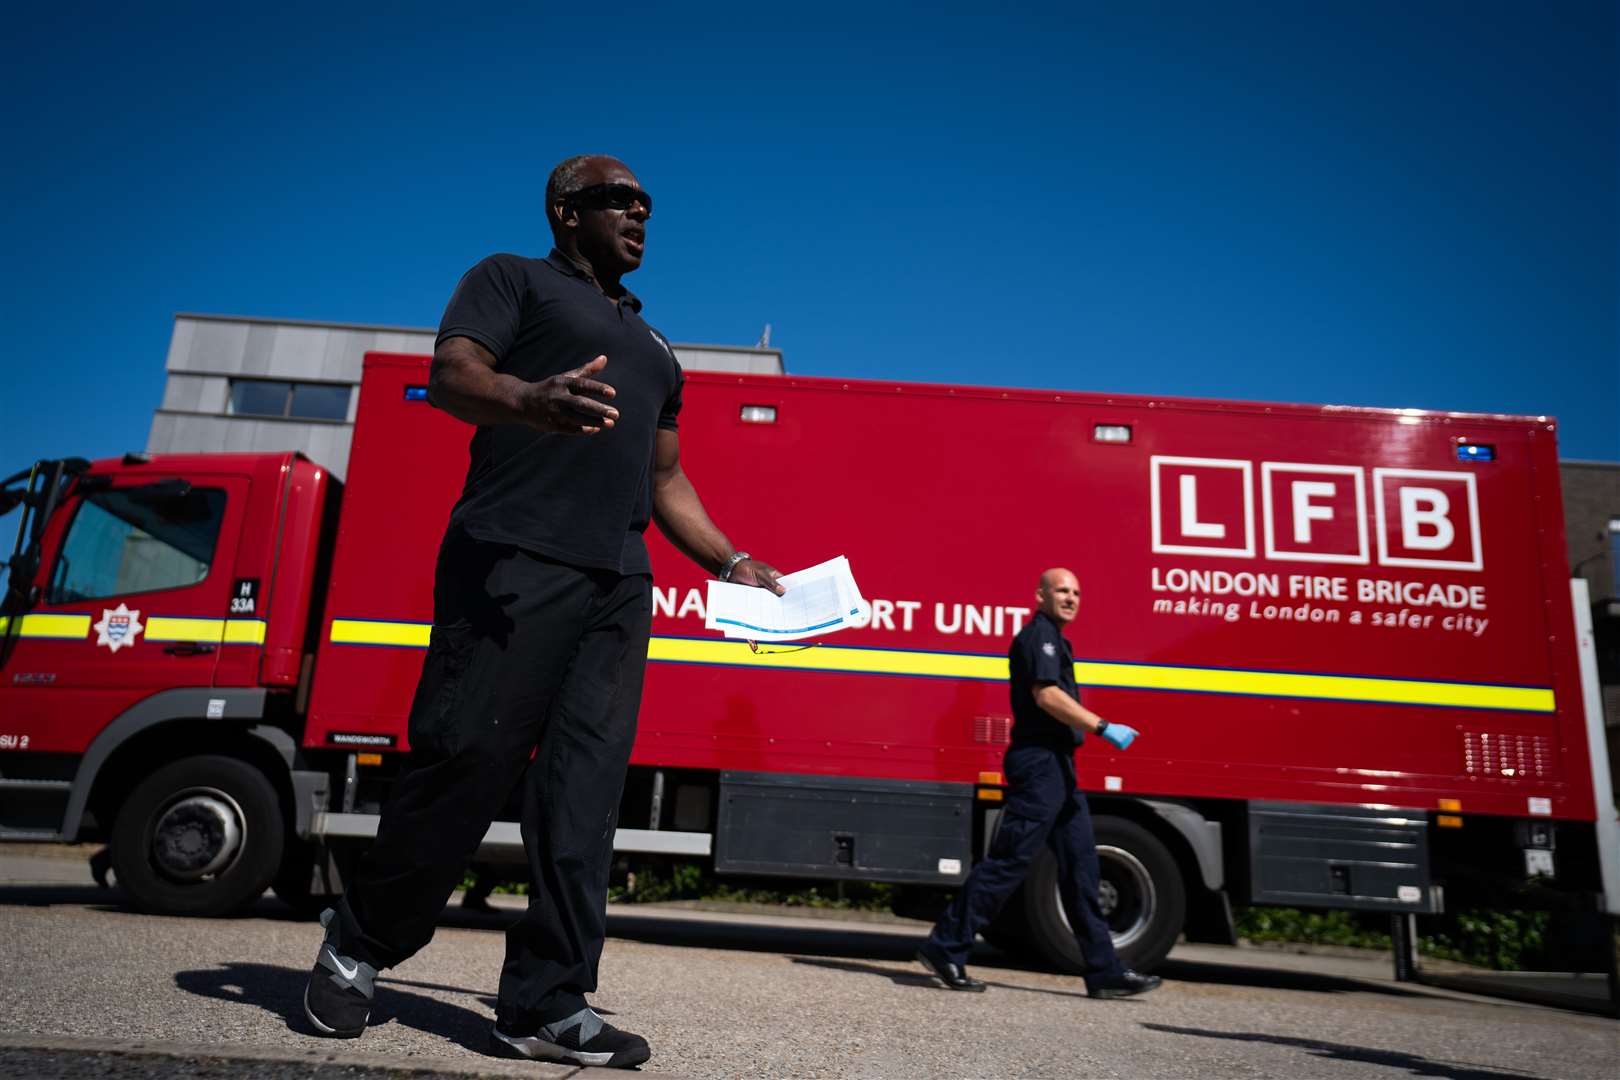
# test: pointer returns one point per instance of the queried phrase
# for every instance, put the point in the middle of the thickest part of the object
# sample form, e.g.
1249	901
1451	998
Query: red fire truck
1347	636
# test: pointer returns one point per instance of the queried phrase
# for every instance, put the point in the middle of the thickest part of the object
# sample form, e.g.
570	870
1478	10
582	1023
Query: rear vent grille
1508	755
995	730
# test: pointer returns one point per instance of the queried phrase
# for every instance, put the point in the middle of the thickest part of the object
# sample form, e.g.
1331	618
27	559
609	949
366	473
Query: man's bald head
1058	595
571	176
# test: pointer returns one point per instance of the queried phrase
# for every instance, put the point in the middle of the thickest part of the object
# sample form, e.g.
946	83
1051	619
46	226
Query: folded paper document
818	601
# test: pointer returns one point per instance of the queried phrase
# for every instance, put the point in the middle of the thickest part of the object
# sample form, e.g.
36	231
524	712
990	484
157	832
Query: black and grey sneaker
583	1038
338	997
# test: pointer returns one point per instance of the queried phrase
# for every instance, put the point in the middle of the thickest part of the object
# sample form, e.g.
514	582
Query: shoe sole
934	971
1121	993
534	1048
330	1032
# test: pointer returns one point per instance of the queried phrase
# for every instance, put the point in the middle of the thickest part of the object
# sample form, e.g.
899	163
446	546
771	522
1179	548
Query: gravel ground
747	995
73	1065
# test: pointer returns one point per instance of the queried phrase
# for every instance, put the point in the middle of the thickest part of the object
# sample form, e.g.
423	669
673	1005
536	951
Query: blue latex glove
1121	735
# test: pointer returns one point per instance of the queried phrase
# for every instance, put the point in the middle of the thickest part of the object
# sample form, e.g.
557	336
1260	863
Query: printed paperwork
818	601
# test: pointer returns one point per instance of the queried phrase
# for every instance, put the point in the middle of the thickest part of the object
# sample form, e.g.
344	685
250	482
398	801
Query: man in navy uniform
1043	807
542	610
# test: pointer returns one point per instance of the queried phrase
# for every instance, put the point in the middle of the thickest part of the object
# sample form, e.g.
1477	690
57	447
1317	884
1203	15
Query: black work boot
1125	984
954	976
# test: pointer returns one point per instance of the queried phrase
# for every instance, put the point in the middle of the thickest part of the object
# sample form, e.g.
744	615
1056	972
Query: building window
290	400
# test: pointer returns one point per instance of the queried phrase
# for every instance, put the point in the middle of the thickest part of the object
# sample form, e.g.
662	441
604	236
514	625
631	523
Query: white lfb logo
1049	648
118	627
1316	513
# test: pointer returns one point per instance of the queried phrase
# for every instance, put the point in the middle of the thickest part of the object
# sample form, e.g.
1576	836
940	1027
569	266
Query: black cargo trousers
527	657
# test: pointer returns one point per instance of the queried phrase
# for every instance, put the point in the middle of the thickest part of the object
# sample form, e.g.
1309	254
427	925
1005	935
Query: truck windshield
133	540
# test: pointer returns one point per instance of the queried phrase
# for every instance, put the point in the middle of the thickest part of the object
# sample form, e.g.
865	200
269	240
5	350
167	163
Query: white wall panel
258	351
218	346
182	393
301	351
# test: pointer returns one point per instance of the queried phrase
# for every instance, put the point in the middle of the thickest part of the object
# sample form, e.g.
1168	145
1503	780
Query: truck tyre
200	836
1143	899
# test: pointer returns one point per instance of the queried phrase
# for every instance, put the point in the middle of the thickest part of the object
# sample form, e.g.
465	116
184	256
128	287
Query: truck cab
153	636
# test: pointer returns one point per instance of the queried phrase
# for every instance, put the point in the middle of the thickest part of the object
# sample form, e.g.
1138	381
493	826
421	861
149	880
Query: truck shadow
91	896
917	978
1416	1064
1238	974
839	942
279	991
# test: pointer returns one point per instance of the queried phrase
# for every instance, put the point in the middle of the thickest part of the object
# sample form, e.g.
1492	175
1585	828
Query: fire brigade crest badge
118	627
1049	648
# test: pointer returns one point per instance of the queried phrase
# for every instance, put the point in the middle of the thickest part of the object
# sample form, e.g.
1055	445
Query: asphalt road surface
725	995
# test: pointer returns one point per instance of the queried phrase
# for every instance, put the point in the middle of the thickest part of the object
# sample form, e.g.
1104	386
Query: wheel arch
174	724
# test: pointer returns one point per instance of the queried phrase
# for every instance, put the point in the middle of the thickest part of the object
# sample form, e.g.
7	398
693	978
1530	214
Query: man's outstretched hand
754	572
572	403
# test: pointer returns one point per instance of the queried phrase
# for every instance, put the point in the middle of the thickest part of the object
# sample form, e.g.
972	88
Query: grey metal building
243	384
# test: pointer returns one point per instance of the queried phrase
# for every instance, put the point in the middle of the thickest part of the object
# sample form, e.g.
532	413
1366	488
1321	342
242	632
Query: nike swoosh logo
349	973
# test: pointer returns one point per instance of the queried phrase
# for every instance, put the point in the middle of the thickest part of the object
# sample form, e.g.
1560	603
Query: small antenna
764	338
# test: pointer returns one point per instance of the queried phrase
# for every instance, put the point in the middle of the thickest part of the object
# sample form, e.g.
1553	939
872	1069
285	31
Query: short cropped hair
564	181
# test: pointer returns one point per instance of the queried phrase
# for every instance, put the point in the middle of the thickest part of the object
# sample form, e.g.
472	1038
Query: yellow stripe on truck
1326	687
64	627
861	661
219	631
368	632
920	664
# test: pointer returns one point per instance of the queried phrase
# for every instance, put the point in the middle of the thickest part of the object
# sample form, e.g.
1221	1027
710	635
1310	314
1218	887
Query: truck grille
995	730
1509	755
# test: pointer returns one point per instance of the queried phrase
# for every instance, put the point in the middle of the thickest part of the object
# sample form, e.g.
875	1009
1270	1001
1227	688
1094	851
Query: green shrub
652	883
1349	928
1500	940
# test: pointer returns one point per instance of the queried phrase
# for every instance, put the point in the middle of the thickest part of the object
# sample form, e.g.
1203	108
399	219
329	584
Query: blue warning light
1473	451
416	393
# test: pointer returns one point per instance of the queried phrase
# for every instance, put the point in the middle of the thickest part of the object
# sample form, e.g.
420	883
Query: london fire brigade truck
1347	636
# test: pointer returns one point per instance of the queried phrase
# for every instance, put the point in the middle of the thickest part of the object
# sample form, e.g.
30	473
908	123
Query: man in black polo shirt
1043	807
542	610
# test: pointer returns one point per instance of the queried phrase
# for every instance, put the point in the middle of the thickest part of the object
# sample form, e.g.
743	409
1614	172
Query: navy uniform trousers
527	657
1043	808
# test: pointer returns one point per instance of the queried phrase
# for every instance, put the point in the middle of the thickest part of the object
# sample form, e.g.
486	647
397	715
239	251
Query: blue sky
1389	204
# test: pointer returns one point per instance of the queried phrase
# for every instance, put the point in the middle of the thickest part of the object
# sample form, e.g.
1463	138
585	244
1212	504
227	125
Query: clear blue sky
1392	204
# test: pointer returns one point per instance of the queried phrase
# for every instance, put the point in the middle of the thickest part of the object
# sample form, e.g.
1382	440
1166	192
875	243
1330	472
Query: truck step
504	836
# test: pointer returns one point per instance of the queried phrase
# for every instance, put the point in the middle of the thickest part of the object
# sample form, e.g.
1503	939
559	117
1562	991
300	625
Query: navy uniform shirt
584	500
1040	654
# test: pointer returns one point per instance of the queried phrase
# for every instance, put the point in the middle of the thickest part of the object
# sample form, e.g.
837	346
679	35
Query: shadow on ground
1238	974
915	977
838	941
1416	1064
280	992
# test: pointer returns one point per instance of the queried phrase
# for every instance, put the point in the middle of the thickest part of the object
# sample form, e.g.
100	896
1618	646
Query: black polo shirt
1040	654
584	500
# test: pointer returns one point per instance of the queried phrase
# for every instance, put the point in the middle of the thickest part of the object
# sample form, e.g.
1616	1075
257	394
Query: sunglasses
610	197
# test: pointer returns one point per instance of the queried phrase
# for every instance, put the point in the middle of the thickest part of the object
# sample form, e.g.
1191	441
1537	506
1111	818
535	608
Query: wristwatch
1102	726
731	564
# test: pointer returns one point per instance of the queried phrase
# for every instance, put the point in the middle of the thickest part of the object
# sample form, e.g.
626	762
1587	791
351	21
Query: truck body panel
1355	659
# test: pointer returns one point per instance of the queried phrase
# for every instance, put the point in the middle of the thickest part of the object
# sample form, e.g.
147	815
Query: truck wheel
200	836
1143	899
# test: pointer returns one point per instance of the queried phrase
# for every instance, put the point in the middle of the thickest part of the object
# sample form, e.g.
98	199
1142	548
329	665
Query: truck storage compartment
1368	858
844	827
